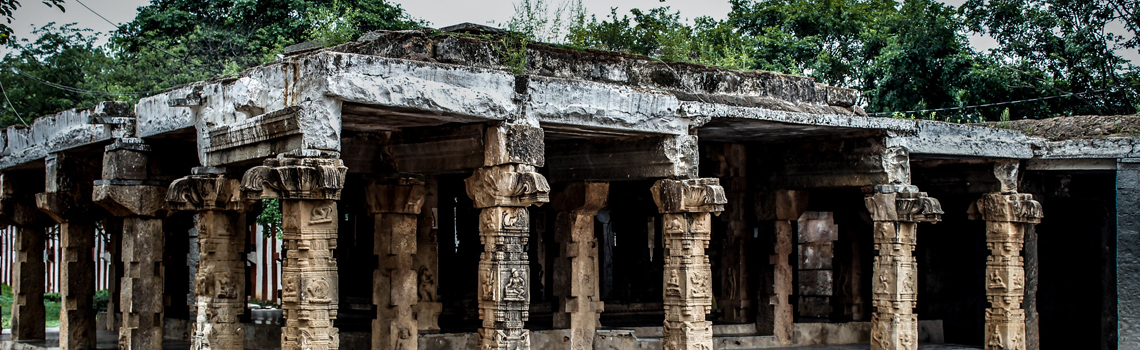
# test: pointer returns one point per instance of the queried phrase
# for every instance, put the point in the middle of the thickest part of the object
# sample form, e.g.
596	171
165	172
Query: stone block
816	282
131	200
514	144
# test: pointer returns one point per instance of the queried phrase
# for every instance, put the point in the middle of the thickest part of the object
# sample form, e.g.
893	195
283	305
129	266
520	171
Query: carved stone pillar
219	284
896	210
1008	216
308	189
66	198
687	206
790	205
125	192
18	208
735	297
427	309
576	270
504	188
394	205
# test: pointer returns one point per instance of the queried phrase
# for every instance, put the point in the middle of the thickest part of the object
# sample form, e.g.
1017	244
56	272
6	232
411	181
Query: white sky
440	13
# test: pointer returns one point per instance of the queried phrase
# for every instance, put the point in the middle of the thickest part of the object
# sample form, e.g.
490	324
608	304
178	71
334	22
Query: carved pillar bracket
896	210
67	200
219	285
394	205
687	226
308	189
504	192
576	270
1007	216
125	191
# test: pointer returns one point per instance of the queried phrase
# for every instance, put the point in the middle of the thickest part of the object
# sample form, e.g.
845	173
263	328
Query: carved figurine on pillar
394	205
504	188
896	211
19	209
126	191
67	199
687	205
1008	216
219	285
576	270
308	189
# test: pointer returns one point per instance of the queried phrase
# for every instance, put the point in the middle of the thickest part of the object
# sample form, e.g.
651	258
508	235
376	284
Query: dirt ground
1080	127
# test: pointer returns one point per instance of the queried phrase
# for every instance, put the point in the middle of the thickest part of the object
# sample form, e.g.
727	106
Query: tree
8	7
63	55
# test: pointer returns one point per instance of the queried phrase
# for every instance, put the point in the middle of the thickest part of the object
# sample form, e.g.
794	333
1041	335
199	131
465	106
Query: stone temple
435	194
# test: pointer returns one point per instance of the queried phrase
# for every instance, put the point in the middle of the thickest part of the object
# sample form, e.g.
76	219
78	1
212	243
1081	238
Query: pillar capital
689	196
508	185
18	207
295	178
395	195
124	199
582	197
1007	207
903	203
202	192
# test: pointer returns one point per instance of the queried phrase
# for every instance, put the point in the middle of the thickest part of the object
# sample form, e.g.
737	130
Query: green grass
51	306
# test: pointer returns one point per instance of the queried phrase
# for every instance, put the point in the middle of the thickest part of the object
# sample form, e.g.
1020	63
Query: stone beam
63	131
835	162
438	149
623	158
308	188
67	199
896	211
503	188
126	191
687	206
262	136
394	205
219	284
576	269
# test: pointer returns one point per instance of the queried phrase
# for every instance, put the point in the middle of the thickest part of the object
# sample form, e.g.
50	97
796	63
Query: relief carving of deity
515	289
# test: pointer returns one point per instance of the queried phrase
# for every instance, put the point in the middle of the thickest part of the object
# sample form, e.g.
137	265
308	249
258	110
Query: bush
102	298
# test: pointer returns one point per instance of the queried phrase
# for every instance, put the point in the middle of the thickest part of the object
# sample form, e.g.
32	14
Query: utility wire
10	105
92	92
212	70
995	104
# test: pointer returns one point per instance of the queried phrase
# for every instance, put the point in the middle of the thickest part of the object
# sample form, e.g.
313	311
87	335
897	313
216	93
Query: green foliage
51	307
7	7
270	218
62	54
101	299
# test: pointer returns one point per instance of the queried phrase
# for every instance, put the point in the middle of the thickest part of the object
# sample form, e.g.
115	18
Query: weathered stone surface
131	200
295	179
896	210
790	205
261	136
428	308
308	188
514	144
576	270
510	185
28	284
687	206
1128	254
219	283
1007	216
142	283
736	296
394	204
628	158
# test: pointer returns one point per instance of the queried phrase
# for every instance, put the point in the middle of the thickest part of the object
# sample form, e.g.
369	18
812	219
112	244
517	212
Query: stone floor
109	340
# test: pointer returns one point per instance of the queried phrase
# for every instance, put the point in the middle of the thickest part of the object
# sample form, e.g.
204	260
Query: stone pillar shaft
77	286
394	205
735	295
28	284
789	206
687	206
896	210
576	270
308	189
219	284
426	308
1008	216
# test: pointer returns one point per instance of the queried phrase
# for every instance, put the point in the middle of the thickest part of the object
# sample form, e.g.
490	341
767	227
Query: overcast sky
440	13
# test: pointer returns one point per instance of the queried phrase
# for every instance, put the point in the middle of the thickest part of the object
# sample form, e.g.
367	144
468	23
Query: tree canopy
1060	55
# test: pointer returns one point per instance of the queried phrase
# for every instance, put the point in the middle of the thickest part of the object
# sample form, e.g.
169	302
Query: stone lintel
395	195
295	179
510	185
131	200
439	148
689	196
836	162
206	192
630	158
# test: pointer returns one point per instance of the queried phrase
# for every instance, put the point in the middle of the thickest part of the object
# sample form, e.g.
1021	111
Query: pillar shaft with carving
576	270
67	199
219	284
503	188
308	189
126	192
896	211
687	207
1007	216
394	205
427	308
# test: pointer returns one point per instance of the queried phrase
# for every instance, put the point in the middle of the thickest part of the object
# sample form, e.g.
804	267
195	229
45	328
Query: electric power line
995	104
10	105
92	92
215	71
